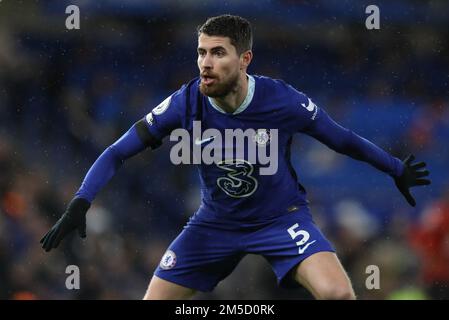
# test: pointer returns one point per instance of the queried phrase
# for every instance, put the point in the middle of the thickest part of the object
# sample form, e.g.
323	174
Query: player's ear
245	59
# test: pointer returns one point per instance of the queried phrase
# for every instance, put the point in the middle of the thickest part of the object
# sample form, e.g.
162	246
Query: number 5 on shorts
305	237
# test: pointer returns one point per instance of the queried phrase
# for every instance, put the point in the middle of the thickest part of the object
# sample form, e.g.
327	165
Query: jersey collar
245	103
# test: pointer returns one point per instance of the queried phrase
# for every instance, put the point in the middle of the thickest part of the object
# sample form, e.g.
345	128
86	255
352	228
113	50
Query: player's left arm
405	173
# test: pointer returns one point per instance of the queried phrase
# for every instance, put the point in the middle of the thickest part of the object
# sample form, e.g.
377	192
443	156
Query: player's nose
206	62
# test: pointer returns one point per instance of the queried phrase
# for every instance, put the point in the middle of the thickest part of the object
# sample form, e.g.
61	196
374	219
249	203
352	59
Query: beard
220	89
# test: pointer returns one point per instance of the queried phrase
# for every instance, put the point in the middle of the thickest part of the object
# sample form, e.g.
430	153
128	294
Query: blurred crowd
67	95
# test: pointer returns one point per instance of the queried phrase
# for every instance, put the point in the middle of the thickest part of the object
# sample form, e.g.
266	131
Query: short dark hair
236	28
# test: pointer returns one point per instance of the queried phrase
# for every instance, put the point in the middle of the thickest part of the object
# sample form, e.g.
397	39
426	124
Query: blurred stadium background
66	95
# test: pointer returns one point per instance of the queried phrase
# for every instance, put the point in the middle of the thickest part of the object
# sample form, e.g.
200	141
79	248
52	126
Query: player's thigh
287	241
324	276
160	289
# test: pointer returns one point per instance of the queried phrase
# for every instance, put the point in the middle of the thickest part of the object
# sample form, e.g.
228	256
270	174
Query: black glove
411	177
73	218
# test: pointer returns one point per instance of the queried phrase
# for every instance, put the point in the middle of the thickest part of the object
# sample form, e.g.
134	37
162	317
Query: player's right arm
135	140
147	132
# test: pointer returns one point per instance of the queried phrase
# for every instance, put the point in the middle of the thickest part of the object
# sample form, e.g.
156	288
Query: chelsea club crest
168	261
262	137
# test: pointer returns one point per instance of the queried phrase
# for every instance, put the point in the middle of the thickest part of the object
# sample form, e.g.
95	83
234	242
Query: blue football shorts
201	256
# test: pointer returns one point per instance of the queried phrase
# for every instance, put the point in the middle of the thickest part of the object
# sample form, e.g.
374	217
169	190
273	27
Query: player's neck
235	98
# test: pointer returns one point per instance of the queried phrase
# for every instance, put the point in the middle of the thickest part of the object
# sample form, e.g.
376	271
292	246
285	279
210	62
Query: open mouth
207	80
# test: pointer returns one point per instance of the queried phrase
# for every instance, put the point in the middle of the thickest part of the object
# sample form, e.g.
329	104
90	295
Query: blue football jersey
238	188
234	190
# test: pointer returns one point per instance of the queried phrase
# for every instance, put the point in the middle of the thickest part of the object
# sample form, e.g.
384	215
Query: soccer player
242	211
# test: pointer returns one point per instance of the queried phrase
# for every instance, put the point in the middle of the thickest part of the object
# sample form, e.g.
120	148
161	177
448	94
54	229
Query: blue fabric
235	192
107	164
345	141
275	105
200	257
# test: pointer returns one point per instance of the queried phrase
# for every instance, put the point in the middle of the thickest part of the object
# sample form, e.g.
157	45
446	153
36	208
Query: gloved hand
411	177
73	218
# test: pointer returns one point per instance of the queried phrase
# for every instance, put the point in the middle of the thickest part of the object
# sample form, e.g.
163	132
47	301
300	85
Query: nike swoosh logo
301	251
199	141
310	107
